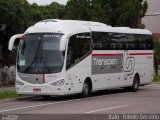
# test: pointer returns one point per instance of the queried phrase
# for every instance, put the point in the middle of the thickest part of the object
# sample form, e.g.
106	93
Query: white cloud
46	2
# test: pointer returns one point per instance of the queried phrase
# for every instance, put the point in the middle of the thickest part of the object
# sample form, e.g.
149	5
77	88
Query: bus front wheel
86	91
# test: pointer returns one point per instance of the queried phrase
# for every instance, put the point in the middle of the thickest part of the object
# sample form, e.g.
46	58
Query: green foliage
100	11
157	48
156	54
77	10
18	15
144	8
13	20
157	78
141	26
8	95
112	12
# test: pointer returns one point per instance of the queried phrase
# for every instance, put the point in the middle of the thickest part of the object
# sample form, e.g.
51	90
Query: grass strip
8	95
157	78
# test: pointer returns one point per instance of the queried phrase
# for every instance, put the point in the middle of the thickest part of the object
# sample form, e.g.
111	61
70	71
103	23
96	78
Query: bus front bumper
40	90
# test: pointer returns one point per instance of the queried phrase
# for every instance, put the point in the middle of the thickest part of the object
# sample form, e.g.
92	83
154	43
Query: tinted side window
142	42
101	41
149	42
131	42
118	41
136	41
79	45
121	41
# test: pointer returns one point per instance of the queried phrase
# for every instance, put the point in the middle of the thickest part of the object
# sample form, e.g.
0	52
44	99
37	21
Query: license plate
36	89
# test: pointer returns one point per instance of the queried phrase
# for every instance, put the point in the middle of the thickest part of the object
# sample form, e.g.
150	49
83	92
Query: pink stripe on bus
107	55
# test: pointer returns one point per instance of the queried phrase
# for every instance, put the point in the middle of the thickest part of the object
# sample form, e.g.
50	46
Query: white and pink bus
62	57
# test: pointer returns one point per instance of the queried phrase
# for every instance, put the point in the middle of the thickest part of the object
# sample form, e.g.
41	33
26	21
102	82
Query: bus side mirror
12	40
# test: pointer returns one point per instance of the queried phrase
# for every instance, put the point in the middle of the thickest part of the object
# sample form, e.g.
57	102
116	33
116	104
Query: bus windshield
39	53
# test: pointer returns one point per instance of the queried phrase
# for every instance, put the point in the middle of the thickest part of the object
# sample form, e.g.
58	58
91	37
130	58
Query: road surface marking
106	109
52	103
7	110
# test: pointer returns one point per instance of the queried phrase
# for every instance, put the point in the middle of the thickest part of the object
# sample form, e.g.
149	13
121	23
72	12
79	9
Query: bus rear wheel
135	85
86	91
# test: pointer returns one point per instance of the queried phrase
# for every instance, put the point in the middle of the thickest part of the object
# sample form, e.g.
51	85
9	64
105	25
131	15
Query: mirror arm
12	40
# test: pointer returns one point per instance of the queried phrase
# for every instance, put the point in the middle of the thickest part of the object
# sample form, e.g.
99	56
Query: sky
46	2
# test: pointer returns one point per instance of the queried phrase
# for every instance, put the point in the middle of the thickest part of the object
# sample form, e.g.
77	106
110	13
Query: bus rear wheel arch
87	88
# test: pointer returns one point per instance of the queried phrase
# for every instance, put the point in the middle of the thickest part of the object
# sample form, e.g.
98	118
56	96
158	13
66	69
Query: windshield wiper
38	60
34	58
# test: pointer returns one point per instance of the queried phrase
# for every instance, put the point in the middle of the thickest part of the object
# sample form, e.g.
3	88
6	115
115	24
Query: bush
157	78
7	76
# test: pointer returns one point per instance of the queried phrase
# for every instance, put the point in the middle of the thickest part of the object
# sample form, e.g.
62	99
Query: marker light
19	82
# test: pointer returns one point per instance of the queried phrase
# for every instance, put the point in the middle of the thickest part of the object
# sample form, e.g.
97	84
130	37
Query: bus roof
130	30
77	26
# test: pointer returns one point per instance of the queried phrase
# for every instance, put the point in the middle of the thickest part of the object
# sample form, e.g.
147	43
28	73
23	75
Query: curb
8	100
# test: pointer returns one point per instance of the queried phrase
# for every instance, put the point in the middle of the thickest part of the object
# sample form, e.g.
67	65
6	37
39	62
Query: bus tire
86	91
135	85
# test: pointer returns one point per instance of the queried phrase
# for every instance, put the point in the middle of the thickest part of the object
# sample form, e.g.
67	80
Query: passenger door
78	63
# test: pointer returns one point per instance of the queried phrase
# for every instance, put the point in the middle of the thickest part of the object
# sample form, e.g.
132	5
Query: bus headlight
19	82
58	83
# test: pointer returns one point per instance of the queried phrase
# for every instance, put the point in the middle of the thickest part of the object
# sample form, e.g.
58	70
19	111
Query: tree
112	12
56	10
17	16
10	24
100	11
72	9
127	12
156	54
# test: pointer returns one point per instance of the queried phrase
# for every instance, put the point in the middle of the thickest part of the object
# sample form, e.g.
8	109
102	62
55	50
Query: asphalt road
145	101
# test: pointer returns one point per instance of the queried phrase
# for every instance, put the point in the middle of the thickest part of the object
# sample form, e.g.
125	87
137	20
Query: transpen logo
105	62
113	63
